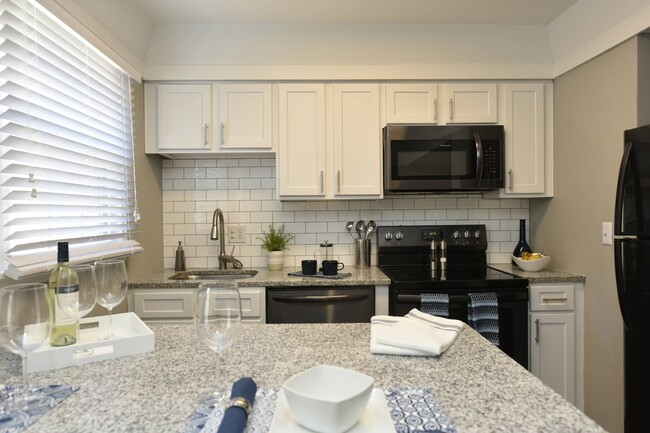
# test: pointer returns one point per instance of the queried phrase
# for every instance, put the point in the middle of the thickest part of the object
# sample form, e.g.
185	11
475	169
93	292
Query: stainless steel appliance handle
319	298
502	297
479	158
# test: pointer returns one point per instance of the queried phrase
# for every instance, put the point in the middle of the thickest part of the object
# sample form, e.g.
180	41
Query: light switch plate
237	234
607	233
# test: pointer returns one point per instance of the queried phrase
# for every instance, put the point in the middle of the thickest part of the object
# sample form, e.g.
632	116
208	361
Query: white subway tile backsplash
244	189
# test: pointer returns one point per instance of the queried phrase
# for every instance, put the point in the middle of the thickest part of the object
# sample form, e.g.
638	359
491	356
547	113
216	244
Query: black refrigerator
632	267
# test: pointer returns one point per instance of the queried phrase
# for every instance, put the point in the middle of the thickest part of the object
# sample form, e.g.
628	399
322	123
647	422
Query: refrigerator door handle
620	280
620	189
625	237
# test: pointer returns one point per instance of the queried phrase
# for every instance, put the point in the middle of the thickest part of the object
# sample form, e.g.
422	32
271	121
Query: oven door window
433	159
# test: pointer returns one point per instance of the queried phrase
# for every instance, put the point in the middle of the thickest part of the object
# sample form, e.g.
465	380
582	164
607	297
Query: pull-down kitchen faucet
224	259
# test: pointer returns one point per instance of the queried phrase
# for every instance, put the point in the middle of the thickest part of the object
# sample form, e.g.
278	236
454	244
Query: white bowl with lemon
532	262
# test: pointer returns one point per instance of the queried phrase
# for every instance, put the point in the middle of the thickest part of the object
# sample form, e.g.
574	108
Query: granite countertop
546	275
480	388
266	278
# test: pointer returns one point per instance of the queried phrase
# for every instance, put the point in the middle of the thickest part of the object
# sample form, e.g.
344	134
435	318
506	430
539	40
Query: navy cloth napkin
234	420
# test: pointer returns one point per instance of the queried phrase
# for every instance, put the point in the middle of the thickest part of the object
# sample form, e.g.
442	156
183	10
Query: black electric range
404	254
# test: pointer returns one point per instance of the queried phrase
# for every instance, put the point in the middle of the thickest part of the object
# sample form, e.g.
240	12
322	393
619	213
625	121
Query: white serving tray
131	337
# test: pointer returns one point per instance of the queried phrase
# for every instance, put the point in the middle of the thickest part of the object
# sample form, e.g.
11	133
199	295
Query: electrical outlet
237	234
607	233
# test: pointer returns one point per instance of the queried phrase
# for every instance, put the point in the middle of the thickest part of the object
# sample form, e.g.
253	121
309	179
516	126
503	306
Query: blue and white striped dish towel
436	304
483	315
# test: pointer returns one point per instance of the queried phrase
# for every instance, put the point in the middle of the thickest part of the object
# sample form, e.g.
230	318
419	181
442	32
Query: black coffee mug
308	267
331	267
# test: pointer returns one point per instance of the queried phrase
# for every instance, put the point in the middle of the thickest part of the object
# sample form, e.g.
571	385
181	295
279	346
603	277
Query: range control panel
471	236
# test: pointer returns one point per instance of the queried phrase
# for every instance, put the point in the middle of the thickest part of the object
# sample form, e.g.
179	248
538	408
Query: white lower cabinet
553	337
177	305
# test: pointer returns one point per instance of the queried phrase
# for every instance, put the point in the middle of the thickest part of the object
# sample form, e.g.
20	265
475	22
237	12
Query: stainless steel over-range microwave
430	158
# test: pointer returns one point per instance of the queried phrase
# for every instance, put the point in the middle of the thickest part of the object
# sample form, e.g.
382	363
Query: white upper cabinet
244	117
470	103
356	139
184	117
526	113
329	141
301	146
411	103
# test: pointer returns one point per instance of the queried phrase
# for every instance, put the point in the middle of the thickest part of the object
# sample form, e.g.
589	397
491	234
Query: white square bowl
532	265
328	399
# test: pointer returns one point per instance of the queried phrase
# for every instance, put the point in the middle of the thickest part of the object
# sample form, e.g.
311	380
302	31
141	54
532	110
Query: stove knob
466	234
388	236
477	234
455	234
399	236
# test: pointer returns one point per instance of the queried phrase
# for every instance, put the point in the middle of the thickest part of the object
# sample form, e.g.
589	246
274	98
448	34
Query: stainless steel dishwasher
319	304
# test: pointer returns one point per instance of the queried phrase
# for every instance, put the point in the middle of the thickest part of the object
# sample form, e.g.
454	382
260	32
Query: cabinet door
552	351
163	304
356	139
301	148
184	113
253	304
412	103
525	137
471	103
245	116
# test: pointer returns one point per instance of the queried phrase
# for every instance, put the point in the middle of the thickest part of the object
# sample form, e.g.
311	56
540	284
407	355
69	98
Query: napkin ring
240	402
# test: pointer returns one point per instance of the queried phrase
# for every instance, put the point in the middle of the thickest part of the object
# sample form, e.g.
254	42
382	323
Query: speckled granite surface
266	278
546	275
480	388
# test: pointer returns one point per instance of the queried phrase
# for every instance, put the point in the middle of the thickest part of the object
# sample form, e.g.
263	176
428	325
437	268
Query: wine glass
111	287
217	323
84	300
25	324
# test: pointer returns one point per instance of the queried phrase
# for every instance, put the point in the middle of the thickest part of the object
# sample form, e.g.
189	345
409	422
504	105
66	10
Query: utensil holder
362	253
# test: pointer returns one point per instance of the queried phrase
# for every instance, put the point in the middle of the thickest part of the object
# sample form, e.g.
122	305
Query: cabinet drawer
163	304
551	297
251	302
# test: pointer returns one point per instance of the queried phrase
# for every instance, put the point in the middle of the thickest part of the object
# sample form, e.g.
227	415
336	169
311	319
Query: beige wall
149	184
593	105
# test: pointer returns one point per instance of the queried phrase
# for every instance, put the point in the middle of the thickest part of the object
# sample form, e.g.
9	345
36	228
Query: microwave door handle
479	159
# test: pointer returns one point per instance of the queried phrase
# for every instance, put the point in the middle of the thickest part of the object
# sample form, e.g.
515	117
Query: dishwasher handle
319	299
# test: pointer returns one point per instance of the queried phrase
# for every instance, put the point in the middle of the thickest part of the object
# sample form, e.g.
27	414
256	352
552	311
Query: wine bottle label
69	297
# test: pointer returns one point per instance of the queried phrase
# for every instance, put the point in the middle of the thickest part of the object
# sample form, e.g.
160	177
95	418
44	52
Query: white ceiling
518	12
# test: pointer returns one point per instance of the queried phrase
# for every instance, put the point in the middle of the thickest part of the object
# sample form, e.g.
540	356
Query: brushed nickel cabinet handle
205	134
223	133
451	108
338	180
510	179
536	330
435	109
322	183
554	299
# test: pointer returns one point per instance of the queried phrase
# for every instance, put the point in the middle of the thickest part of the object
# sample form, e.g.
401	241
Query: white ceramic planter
275	260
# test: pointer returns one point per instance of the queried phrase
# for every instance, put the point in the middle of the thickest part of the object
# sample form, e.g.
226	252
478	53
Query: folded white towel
416	334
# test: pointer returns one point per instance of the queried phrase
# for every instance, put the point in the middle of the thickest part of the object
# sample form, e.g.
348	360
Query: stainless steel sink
224	274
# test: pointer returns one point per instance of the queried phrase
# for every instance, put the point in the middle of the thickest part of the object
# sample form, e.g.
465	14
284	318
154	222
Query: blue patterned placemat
16	421
412	410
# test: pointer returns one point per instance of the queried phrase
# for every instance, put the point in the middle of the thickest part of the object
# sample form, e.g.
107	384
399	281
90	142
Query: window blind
66	149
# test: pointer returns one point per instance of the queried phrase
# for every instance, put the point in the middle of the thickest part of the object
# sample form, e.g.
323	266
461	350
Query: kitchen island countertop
479	387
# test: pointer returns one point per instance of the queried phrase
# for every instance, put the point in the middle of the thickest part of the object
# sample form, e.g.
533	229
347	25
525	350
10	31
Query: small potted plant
274	242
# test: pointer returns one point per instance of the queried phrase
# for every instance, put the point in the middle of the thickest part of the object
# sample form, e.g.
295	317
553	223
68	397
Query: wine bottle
63	282
522	246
